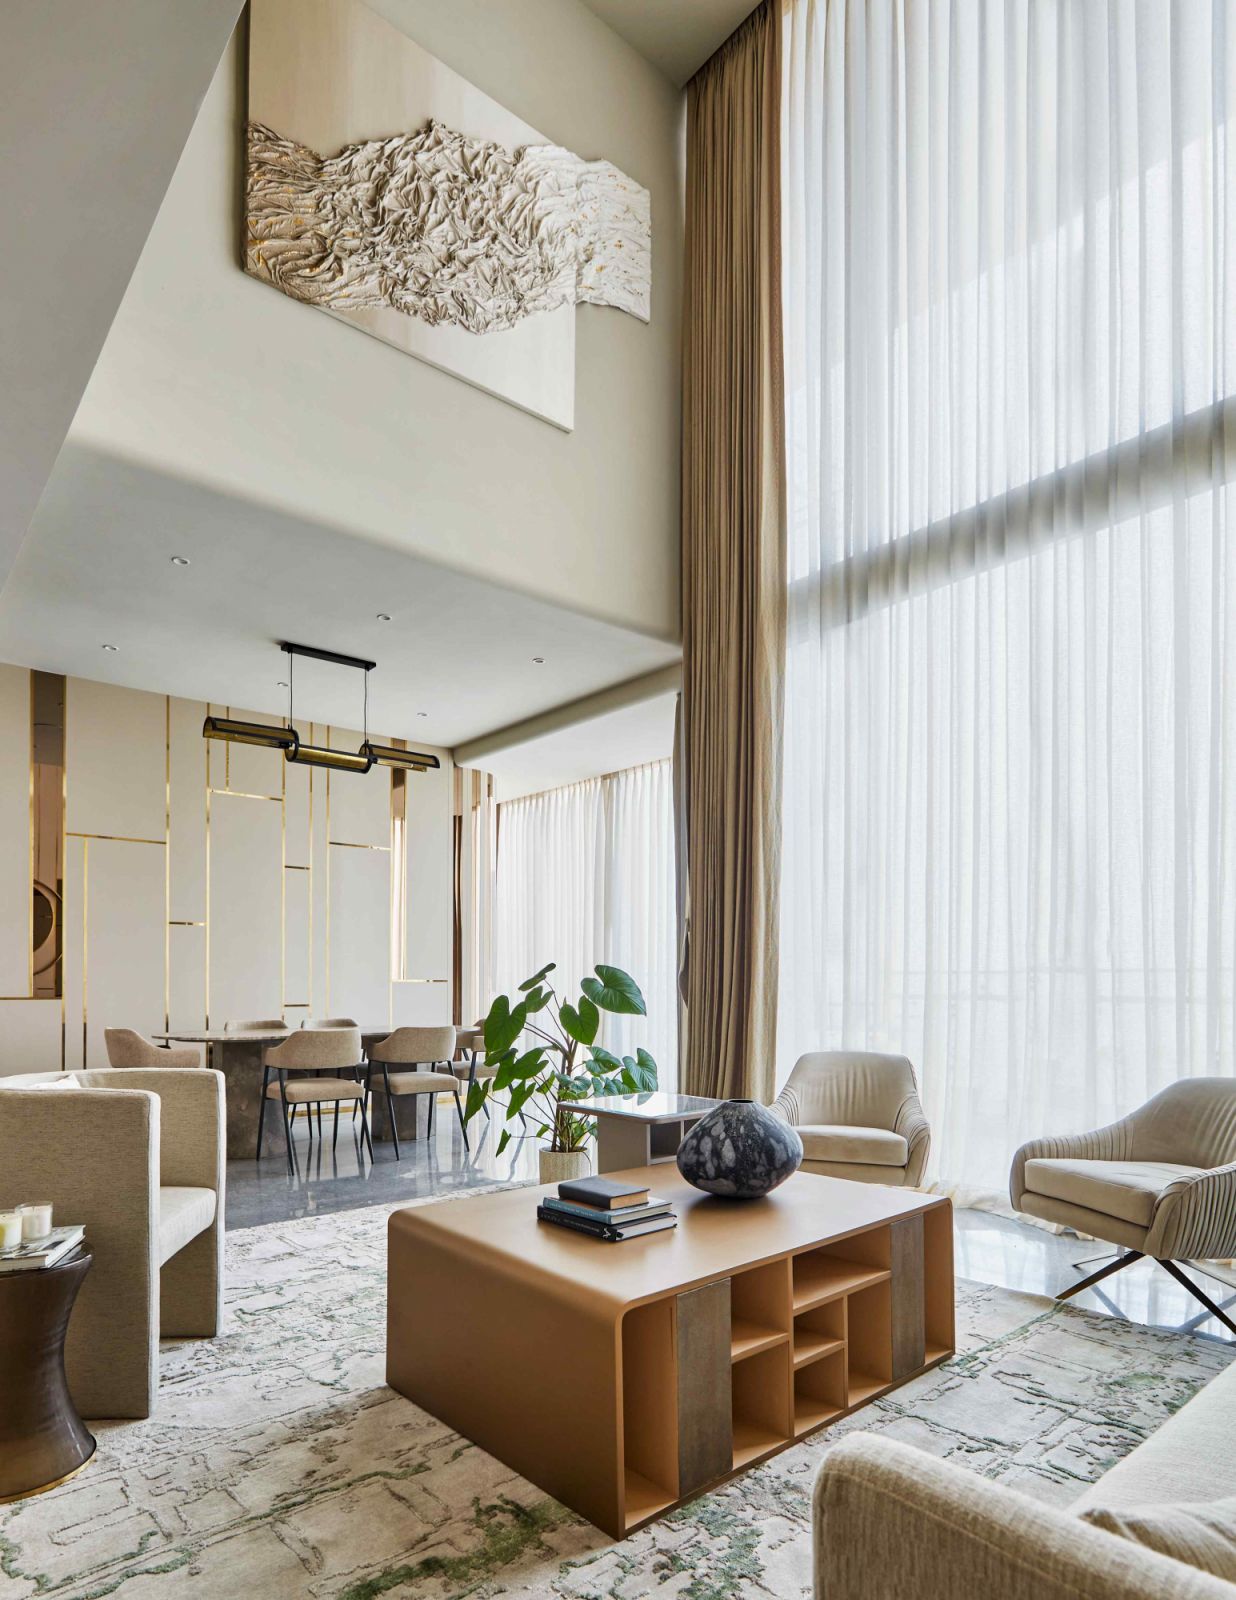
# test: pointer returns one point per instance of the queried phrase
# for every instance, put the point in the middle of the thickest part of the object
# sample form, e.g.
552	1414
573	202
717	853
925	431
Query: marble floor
990	1248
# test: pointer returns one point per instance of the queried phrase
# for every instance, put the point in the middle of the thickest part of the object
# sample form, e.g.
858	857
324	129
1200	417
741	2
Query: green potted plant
563	1062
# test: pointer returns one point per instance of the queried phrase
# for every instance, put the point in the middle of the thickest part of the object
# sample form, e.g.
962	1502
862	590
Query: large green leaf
605	1059
581	1024
502	1027
615	990
504	1140
531	983
476	1098
506	1070
529	1064
536	1000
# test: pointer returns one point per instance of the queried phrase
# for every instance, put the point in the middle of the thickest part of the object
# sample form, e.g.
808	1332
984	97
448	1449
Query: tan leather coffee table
624	1378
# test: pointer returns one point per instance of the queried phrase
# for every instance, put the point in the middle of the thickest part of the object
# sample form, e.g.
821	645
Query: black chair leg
433	1100
257	1154
287	1123
1199	1294
462	1126
1126	1260
366	1136
334	1142
390	1107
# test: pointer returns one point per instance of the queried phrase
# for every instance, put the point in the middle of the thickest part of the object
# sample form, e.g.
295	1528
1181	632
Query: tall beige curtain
733	562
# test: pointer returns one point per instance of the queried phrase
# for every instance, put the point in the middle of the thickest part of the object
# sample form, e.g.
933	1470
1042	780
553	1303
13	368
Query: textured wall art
466	240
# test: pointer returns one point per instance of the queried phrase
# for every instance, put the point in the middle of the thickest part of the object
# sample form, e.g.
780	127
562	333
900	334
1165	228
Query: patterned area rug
280	1467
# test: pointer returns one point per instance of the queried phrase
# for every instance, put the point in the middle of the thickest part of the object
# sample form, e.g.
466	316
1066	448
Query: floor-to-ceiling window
1010	352
586	874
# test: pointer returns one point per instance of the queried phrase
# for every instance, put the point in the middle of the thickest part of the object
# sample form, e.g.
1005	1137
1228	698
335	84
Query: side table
640	1130
43	1441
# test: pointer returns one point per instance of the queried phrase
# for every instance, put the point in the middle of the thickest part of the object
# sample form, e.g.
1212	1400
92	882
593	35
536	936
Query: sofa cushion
1190	1458
1201	1535
1124	1189
183	1214
840	1142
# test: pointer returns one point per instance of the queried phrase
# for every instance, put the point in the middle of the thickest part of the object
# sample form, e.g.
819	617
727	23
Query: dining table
239	1056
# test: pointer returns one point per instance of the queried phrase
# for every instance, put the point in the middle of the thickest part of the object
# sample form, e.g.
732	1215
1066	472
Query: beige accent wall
212	377
204	881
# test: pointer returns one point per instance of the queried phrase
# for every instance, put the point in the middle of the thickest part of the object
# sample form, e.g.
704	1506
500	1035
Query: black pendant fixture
316	755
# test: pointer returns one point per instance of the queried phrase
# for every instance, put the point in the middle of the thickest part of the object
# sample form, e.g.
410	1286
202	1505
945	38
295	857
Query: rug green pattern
279	1465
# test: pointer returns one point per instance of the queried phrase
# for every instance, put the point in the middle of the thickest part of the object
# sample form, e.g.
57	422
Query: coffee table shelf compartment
759	1310
760	1405
820	1332
650	1409
819	1392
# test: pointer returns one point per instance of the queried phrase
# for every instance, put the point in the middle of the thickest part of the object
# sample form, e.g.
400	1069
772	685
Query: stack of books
607	1210
36	1254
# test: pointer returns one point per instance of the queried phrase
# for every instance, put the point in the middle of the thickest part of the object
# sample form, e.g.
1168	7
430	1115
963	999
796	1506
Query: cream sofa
891	1521
137	1155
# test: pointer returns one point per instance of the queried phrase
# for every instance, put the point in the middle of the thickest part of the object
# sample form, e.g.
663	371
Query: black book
603	1193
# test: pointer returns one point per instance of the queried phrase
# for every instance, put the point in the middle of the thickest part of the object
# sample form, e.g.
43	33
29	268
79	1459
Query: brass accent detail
240	794
46	1488
113	838
346	844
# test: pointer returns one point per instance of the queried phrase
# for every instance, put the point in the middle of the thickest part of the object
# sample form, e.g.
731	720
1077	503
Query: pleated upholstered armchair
1160	1182
858	1115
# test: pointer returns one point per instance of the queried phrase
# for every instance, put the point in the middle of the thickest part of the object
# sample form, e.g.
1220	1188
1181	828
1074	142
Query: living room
617	969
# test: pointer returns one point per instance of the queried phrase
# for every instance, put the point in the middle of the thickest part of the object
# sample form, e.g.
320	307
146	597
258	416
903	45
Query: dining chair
127	1048
329	1022
414	1048
330	1052
255	1025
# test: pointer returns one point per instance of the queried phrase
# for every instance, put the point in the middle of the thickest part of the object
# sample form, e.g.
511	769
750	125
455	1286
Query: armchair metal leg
366	1136
1198	1294
1124	1260
287	1121
462	1128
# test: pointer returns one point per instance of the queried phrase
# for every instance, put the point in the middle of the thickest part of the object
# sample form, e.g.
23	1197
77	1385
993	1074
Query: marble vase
740	1150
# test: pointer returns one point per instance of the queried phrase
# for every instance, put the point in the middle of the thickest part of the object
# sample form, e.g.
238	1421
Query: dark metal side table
43	1441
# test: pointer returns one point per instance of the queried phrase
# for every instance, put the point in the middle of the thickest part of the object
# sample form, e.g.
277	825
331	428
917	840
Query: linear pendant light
389	755
260	733
319	755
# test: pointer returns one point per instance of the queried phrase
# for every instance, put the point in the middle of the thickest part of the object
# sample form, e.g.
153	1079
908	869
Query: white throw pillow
40	1080
1202	1535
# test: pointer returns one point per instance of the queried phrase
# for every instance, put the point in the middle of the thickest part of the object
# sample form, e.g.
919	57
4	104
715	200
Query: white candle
10	1229
36	1222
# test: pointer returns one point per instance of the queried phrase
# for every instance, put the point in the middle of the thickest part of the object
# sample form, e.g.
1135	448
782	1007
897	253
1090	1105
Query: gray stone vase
740	1150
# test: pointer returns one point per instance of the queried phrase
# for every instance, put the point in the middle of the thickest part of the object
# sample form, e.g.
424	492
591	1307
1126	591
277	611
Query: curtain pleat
733	562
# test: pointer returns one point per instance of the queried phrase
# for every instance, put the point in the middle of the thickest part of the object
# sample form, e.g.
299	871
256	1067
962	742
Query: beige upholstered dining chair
858	1115
413	1048
137	1157
255	1025
332	1058
1160	1182
125	1048
329	1022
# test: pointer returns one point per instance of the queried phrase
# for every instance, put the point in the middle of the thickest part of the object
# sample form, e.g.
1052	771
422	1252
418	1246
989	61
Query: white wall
79	188
211	376
204	881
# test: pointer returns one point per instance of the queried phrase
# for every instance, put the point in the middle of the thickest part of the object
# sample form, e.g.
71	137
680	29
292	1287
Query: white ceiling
97	570
625	738
677	37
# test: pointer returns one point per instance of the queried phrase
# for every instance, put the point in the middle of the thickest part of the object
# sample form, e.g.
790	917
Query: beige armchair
1160	1182
126	1048
858	1115
137	1156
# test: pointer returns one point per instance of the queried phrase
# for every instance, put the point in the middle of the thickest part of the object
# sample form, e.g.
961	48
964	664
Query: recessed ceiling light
538	661
111	647
382	617
180	561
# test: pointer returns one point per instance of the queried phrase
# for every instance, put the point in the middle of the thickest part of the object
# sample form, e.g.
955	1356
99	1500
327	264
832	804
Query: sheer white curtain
1010	346
586	874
